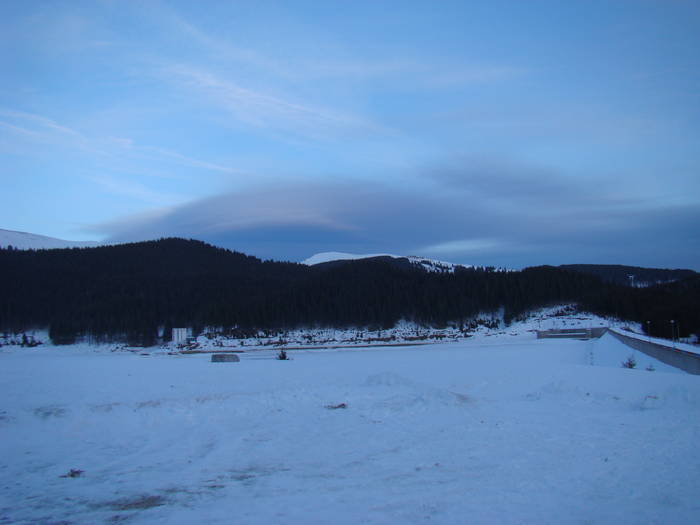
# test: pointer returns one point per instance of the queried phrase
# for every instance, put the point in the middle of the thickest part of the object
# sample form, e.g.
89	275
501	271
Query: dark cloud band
472	213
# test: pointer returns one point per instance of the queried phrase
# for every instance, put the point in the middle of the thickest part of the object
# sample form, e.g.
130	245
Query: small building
180	335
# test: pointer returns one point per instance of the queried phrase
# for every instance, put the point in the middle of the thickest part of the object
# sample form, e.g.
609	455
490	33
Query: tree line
130	292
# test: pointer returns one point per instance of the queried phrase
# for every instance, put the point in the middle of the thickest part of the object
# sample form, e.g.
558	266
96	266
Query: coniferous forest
130	291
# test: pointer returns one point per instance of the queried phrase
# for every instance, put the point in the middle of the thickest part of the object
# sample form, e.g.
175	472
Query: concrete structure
686	361
224	358
180	336
571	333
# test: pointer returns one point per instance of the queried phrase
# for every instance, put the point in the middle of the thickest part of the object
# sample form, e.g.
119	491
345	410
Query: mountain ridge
32	241
429	265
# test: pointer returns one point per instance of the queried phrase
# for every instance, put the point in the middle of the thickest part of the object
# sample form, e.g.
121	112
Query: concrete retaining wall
686	361
571	333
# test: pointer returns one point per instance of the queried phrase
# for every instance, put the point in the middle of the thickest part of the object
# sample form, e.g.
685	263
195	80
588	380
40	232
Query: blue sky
506	133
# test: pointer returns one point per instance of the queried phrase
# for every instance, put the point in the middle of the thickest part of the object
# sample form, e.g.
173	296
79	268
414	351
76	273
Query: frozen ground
495	429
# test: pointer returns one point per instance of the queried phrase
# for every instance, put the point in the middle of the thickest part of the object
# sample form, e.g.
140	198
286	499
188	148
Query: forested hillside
631	275
129	291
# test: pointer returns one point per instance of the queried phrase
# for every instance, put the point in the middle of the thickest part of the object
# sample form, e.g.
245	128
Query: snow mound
403	392
675	397
390	379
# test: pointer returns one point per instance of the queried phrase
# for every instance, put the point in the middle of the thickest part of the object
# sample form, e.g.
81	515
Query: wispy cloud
133	190
163	153
463	247
20	130
41	121
415	69
308	95
40	128
464	75
220	48
264	110
46	130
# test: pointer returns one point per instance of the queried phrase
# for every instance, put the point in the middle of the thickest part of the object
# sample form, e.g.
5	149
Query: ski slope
494	430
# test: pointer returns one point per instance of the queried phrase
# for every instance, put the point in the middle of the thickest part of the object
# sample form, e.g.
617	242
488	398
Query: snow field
490	431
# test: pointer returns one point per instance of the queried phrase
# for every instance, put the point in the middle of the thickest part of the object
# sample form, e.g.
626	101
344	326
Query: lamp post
673	333
648	332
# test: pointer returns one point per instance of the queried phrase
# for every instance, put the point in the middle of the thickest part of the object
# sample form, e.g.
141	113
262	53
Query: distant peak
32	241
430	265
324	257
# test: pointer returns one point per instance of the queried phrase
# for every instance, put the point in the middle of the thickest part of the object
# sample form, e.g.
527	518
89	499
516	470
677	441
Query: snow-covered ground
483	327
496	429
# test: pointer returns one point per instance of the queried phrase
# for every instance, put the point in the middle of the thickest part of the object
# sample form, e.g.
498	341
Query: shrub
73	473
629	363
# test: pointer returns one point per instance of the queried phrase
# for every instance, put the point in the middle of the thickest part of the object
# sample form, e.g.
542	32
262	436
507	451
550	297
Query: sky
505	133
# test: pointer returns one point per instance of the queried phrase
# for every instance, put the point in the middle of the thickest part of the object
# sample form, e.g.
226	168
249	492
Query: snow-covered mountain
31	241
429	265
